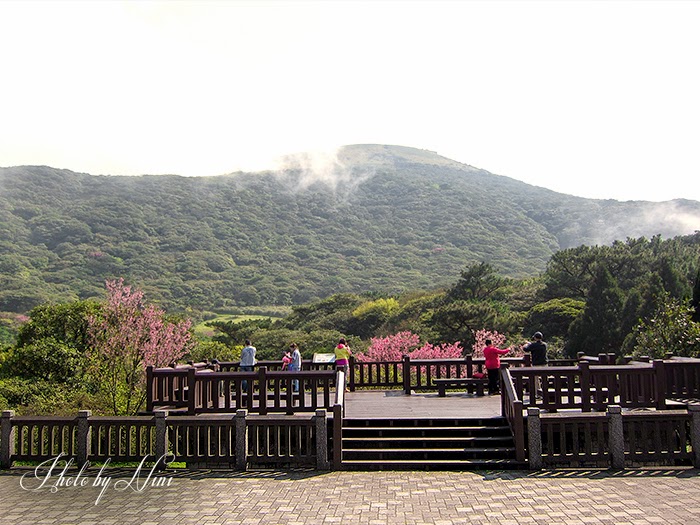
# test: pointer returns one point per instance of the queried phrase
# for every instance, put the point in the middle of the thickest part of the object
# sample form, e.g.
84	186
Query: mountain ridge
370	218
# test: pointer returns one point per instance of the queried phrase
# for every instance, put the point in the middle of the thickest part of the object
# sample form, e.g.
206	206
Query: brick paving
413	498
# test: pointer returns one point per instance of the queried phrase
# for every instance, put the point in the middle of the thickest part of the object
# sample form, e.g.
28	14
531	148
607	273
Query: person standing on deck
295	364
247	361
342	356
538	350
492	358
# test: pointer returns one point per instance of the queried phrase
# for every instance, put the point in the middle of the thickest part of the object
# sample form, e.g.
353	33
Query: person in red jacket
492	358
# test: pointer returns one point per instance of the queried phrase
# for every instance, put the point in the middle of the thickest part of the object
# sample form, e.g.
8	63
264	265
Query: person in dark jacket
537	350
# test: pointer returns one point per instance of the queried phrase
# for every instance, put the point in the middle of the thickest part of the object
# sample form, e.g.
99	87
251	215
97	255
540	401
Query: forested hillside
376	218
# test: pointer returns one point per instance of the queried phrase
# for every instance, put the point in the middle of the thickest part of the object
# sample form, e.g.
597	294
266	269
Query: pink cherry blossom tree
129	336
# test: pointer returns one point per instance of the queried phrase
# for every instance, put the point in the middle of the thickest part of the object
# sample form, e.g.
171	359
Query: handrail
512	410
338	415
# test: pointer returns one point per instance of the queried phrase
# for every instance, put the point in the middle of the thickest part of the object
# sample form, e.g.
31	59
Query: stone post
241	439
534	438
83	435
161	448
7	439
616	437
695	433
321	420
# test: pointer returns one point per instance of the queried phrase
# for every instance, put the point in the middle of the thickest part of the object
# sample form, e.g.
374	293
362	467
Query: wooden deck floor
369	404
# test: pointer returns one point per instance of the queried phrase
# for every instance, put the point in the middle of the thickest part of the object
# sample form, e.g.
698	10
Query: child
493	364
286	359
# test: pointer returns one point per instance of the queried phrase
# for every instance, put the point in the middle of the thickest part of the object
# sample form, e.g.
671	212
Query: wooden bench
472	384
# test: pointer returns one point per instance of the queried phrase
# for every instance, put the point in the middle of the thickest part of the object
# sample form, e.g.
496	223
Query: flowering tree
480	337
391	348
394	347
127	337
498	340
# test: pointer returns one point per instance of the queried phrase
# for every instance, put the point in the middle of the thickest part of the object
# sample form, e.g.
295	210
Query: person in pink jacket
492	358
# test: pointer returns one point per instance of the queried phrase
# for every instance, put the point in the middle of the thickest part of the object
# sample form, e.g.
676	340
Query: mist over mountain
368	218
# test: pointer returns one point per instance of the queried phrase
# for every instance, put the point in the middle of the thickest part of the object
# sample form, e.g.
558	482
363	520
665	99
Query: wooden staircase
428	444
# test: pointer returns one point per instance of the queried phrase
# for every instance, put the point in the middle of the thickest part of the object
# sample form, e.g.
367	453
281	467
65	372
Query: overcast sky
596	99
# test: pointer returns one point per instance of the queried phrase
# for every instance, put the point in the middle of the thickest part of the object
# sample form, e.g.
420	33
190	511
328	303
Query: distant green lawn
203	331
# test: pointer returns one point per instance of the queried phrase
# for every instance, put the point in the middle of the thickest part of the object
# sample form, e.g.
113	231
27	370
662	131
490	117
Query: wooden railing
338	415
682	378
614	438
417	374
262	391
233	366
121	438
512	410
589	387
206	441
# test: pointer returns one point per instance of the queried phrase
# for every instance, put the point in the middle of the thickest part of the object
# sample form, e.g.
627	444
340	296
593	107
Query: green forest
638	297
102	275
382	219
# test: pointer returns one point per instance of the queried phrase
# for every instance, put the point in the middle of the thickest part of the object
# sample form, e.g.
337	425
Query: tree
553	317
671	329
127	337
479	282
695	301
597	329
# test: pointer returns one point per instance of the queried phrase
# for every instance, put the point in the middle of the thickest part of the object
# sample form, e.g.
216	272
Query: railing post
241	439
7	439
161	437
406	365
616	437
527	359
149	388
351	373
337	437
660	383
468	360
321	420
191	391
262	391
83	436
585	382
694	433
534	438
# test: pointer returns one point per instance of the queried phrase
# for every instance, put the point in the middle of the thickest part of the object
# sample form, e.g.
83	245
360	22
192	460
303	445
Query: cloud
322	167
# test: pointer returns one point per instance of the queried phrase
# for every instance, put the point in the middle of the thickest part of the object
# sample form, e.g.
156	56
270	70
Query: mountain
370	218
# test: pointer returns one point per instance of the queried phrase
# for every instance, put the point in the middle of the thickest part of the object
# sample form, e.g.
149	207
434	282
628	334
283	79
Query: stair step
429	439
481	450
447	464
441	428
407	423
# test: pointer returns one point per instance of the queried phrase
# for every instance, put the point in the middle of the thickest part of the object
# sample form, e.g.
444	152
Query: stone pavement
571	497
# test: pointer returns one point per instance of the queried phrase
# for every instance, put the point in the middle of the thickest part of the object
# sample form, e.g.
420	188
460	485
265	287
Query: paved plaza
442	498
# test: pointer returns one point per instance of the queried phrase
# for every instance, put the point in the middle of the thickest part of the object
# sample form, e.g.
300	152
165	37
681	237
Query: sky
596	99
